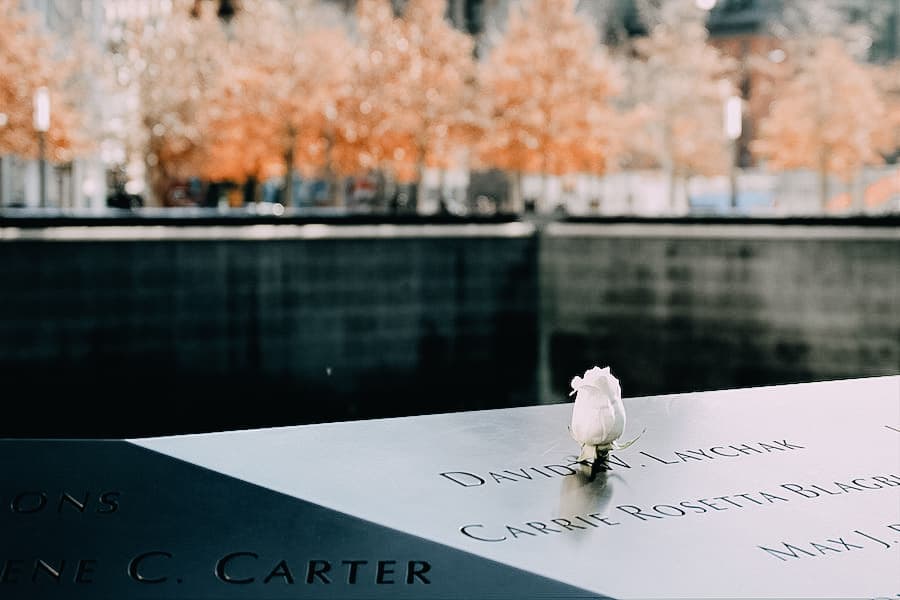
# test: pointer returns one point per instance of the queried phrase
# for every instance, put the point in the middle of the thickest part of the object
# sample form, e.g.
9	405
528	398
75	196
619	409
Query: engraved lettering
464	479
789	551
11	570
745	449
281	570
109	502
384	571
465	531
670	511
720	451
846	545
567	524
84	571
354	565
51	571
135	567
635	511
319	568
685	457
67	498
416	569
538	526
28	502
224	562
665	462
800	490
524	475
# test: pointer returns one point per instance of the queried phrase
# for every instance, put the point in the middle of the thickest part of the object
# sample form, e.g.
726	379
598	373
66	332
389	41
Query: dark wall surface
166	336
158	333
677	308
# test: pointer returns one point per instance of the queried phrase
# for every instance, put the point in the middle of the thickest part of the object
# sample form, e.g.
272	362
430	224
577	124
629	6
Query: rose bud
598	417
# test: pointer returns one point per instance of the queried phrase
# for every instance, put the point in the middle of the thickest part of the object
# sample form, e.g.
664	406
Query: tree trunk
857	193
251	187
3	179
442	197
417	188
340	189
419	185
667	163
823	182
515	191
672	176
732	176
823	189
684	201
335	182
289	178
289	169
544	202
335	186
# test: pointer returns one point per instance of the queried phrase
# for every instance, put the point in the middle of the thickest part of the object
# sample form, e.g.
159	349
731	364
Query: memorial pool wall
118	331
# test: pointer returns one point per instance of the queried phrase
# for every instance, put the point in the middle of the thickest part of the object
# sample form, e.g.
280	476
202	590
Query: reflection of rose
583	494
598	417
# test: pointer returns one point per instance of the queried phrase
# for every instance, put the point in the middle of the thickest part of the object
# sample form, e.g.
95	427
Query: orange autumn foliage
279	101
374	105
434	110
681	82
828	117
548	87
28	62
180	65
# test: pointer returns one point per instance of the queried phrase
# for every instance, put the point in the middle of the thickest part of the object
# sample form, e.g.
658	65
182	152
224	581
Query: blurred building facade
80	183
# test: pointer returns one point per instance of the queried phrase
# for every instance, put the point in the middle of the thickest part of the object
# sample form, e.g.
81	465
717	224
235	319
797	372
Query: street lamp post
733	129
42	126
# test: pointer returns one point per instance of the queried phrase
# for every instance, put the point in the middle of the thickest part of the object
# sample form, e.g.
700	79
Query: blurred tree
548	87
888	79
28	61
375	107
680	83
178	63
290	69
828	116
242	139
434	110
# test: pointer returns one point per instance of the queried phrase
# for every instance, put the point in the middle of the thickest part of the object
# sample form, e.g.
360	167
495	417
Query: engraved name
30	502
656	512
470	479
848	542
157	567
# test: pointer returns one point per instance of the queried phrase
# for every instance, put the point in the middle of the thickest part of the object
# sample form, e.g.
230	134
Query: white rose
598	417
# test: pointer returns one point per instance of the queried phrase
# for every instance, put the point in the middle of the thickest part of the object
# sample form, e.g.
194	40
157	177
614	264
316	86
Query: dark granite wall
127	338
672	310
200	335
